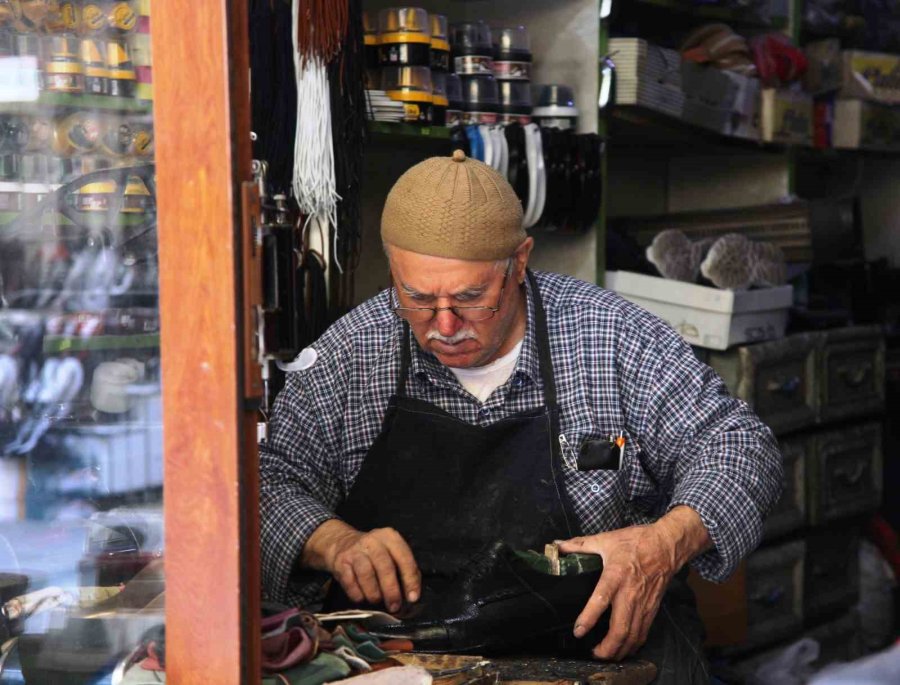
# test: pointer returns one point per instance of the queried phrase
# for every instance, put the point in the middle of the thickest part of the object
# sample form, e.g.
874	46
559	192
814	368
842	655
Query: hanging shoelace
319	27
273	90
348	124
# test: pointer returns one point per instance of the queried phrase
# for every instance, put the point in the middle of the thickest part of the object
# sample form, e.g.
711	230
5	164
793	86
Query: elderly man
476	400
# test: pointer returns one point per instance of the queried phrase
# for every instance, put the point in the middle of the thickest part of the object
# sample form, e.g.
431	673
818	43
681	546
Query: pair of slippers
771	57
731	262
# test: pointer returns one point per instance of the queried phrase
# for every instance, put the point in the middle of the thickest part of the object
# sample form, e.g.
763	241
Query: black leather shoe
502	600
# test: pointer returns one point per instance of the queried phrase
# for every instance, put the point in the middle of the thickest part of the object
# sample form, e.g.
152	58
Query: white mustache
458	337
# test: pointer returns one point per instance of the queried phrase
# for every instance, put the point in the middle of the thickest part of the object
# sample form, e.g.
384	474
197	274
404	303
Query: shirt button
485	412
595	488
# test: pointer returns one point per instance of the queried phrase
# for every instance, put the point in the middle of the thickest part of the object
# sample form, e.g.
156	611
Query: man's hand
638	563
365	564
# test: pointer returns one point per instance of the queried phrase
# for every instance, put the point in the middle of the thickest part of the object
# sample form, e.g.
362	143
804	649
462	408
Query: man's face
424	281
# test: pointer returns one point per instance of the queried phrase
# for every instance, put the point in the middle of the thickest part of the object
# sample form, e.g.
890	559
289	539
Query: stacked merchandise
858	105
72	47
90	113
141	56
444	75
647	75
79	388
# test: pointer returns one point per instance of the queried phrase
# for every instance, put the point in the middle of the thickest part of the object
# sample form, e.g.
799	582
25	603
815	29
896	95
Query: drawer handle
851	477
787	387
853	378
768	596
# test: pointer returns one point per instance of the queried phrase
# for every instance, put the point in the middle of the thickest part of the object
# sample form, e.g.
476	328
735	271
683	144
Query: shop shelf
391	129
54	344
641	128
77	101
730	15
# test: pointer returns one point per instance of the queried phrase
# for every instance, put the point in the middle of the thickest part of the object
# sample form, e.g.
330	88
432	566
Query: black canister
454	100
512	54
473	54
370	39
515	102
481	99
404	37
411	86
439	93
440	44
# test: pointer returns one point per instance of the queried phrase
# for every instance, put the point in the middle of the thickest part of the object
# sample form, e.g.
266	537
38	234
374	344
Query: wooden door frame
211	501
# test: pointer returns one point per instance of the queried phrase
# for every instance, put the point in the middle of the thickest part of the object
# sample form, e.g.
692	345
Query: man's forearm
683	527
319	550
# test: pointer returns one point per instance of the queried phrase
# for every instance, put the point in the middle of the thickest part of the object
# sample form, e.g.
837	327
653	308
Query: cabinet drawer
778	379
790	511
843	473
852	373
832	572
774	593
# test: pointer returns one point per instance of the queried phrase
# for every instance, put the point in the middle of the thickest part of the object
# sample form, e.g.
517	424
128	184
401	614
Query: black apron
450	488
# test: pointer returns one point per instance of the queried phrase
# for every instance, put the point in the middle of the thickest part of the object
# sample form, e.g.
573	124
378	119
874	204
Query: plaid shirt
618	370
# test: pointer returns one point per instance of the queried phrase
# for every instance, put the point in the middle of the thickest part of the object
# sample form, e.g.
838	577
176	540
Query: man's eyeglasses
471	314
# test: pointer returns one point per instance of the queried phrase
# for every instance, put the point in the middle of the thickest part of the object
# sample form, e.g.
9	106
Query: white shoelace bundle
313	180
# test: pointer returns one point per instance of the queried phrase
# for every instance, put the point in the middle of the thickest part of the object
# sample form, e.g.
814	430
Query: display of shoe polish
503	599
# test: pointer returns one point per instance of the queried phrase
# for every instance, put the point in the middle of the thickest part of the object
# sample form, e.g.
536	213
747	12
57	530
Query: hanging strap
543	342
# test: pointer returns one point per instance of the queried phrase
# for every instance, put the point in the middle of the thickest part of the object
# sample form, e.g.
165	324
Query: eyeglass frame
453	309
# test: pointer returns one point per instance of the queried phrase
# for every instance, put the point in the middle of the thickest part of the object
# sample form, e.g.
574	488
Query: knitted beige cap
453	207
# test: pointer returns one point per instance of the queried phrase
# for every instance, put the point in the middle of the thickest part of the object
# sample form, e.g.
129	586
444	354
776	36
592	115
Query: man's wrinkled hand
638	563
367	566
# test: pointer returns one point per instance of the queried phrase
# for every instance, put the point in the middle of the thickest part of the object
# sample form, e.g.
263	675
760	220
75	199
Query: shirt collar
425	366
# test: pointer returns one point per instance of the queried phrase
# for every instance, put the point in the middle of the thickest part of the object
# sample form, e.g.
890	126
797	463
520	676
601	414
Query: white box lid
699	296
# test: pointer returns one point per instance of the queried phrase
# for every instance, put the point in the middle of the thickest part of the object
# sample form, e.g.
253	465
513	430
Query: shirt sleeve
299	490
705	448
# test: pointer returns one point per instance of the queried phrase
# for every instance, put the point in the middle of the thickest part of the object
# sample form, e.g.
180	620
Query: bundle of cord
348	125
274	90
318	30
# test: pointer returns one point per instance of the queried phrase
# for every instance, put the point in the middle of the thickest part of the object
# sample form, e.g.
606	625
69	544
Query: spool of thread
556	107
120	70
404	37
440	44
453	115
370	41
93	58
512	54
121	17
412	86
78	133
515	102
473	54
93	18
481	99
440	102
63	71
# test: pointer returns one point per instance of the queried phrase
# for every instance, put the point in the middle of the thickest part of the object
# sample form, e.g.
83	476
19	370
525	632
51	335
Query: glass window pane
81	526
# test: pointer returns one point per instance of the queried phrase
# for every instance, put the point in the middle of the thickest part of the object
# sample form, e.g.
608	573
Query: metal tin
412	86
440	44
473	54
404	37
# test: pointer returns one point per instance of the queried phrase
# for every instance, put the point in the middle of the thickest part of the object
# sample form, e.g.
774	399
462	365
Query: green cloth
569	564
324	668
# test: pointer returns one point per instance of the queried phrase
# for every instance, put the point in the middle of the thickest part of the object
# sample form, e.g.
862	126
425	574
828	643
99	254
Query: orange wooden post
202	129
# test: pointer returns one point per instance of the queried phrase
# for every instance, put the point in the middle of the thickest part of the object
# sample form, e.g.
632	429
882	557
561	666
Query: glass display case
81	449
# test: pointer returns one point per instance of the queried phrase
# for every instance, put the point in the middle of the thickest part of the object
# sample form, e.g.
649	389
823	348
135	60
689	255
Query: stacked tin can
473	62
512	69
404	56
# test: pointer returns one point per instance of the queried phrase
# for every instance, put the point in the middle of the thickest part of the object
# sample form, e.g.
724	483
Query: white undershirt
481	381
